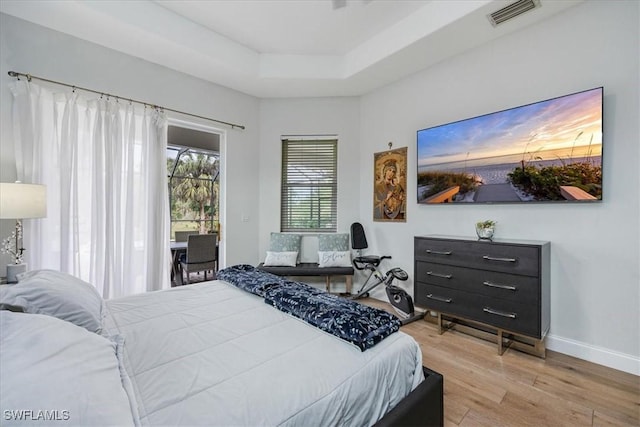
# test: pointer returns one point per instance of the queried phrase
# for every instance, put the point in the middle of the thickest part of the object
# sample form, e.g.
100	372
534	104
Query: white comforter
211	354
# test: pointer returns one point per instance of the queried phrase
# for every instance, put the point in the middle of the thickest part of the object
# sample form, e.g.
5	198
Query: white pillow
281	259
59	295
52	368
334	259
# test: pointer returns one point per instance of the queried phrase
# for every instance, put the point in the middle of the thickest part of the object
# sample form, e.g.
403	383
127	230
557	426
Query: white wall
595	281
33	49
312	116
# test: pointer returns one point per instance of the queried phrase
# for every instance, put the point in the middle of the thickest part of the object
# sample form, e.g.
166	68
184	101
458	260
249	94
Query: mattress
212	354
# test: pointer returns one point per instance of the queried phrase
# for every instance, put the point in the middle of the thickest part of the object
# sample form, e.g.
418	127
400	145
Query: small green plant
485	229
486	224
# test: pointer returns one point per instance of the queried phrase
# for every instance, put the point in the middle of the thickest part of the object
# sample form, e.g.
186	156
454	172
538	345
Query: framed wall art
390	184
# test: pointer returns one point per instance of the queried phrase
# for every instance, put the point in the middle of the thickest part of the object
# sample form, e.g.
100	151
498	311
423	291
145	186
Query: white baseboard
601	356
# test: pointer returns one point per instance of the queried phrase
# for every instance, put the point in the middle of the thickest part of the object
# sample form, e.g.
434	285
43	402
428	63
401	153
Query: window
309	185
193	190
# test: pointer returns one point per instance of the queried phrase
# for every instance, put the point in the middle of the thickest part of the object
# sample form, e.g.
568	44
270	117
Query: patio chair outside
201	254
182	236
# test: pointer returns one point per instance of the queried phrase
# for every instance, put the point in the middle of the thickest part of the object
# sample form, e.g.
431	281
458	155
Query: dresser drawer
522	289
502	257
499	313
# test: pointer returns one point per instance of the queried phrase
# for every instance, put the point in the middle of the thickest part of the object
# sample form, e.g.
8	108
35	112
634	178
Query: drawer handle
499	313
444	276
497	285
490	258
429	251
447	300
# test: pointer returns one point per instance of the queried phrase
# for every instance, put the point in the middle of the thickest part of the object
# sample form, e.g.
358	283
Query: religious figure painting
390	184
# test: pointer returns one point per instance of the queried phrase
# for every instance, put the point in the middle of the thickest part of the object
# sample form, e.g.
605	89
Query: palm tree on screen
196	174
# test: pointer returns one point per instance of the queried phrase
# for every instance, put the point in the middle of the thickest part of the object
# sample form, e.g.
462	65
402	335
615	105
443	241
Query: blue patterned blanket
349	320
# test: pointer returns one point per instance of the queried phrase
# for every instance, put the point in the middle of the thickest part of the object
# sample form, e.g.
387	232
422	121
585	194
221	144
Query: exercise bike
399	299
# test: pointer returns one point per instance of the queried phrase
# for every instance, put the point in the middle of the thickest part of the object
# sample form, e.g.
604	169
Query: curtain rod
146	104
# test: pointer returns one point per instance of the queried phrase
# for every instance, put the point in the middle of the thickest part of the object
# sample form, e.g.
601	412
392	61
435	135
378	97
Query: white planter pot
485	233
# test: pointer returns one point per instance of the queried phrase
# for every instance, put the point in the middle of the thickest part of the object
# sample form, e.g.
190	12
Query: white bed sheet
211	354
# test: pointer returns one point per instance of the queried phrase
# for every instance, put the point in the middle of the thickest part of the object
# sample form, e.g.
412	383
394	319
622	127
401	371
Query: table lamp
20	201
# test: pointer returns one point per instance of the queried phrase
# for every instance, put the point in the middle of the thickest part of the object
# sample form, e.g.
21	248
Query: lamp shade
20	201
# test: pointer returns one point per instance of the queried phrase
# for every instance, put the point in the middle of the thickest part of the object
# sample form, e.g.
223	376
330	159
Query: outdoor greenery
438	181
194	191
311	209
544	183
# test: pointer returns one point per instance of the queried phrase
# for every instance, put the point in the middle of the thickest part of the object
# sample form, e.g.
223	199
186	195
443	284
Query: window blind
309	185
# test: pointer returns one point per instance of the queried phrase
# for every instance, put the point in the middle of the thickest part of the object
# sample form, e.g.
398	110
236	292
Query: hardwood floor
517	389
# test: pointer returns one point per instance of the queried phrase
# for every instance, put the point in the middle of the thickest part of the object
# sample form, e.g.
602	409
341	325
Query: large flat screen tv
548	151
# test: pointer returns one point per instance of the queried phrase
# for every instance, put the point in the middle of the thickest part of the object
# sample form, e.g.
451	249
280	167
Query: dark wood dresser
494	288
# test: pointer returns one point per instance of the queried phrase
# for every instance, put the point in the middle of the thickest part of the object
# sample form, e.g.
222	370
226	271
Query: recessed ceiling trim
430	34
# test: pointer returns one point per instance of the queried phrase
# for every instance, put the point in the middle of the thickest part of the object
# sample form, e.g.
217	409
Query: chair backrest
201	248
182	236
358	238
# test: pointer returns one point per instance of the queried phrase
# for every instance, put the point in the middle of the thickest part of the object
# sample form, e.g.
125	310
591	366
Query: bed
204	354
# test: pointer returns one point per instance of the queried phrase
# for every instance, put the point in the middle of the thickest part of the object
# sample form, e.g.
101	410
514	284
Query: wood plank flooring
518	389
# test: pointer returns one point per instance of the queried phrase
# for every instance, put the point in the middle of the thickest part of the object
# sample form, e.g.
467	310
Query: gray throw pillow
285	242
337	242
56	294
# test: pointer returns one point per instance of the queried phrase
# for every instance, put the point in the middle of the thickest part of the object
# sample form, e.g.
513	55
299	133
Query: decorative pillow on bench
333	250
281	259
333	242
285	242
334	259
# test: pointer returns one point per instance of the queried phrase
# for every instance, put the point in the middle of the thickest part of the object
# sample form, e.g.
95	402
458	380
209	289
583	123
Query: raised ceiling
285	48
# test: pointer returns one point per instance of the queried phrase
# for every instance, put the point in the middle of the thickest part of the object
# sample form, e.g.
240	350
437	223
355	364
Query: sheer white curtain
104	164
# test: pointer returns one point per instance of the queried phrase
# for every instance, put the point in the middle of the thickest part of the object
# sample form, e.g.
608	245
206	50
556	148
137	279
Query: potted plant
485	229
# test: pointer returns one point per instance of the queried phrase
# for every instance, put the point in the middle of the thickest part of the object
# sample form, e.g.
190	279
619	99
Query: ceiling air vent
513	10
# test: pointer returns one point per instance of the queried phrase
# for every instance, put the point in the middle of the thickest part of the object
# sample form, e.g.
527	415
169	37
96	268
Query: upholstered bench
312	269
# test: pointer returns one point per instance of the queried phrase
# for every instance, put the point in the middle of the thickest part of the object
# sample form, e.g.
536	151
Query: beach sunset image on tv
545	151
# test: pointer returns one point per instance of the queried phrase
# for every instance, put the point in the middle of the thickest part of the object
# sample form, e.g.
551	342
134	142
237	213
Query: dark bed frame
424	406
